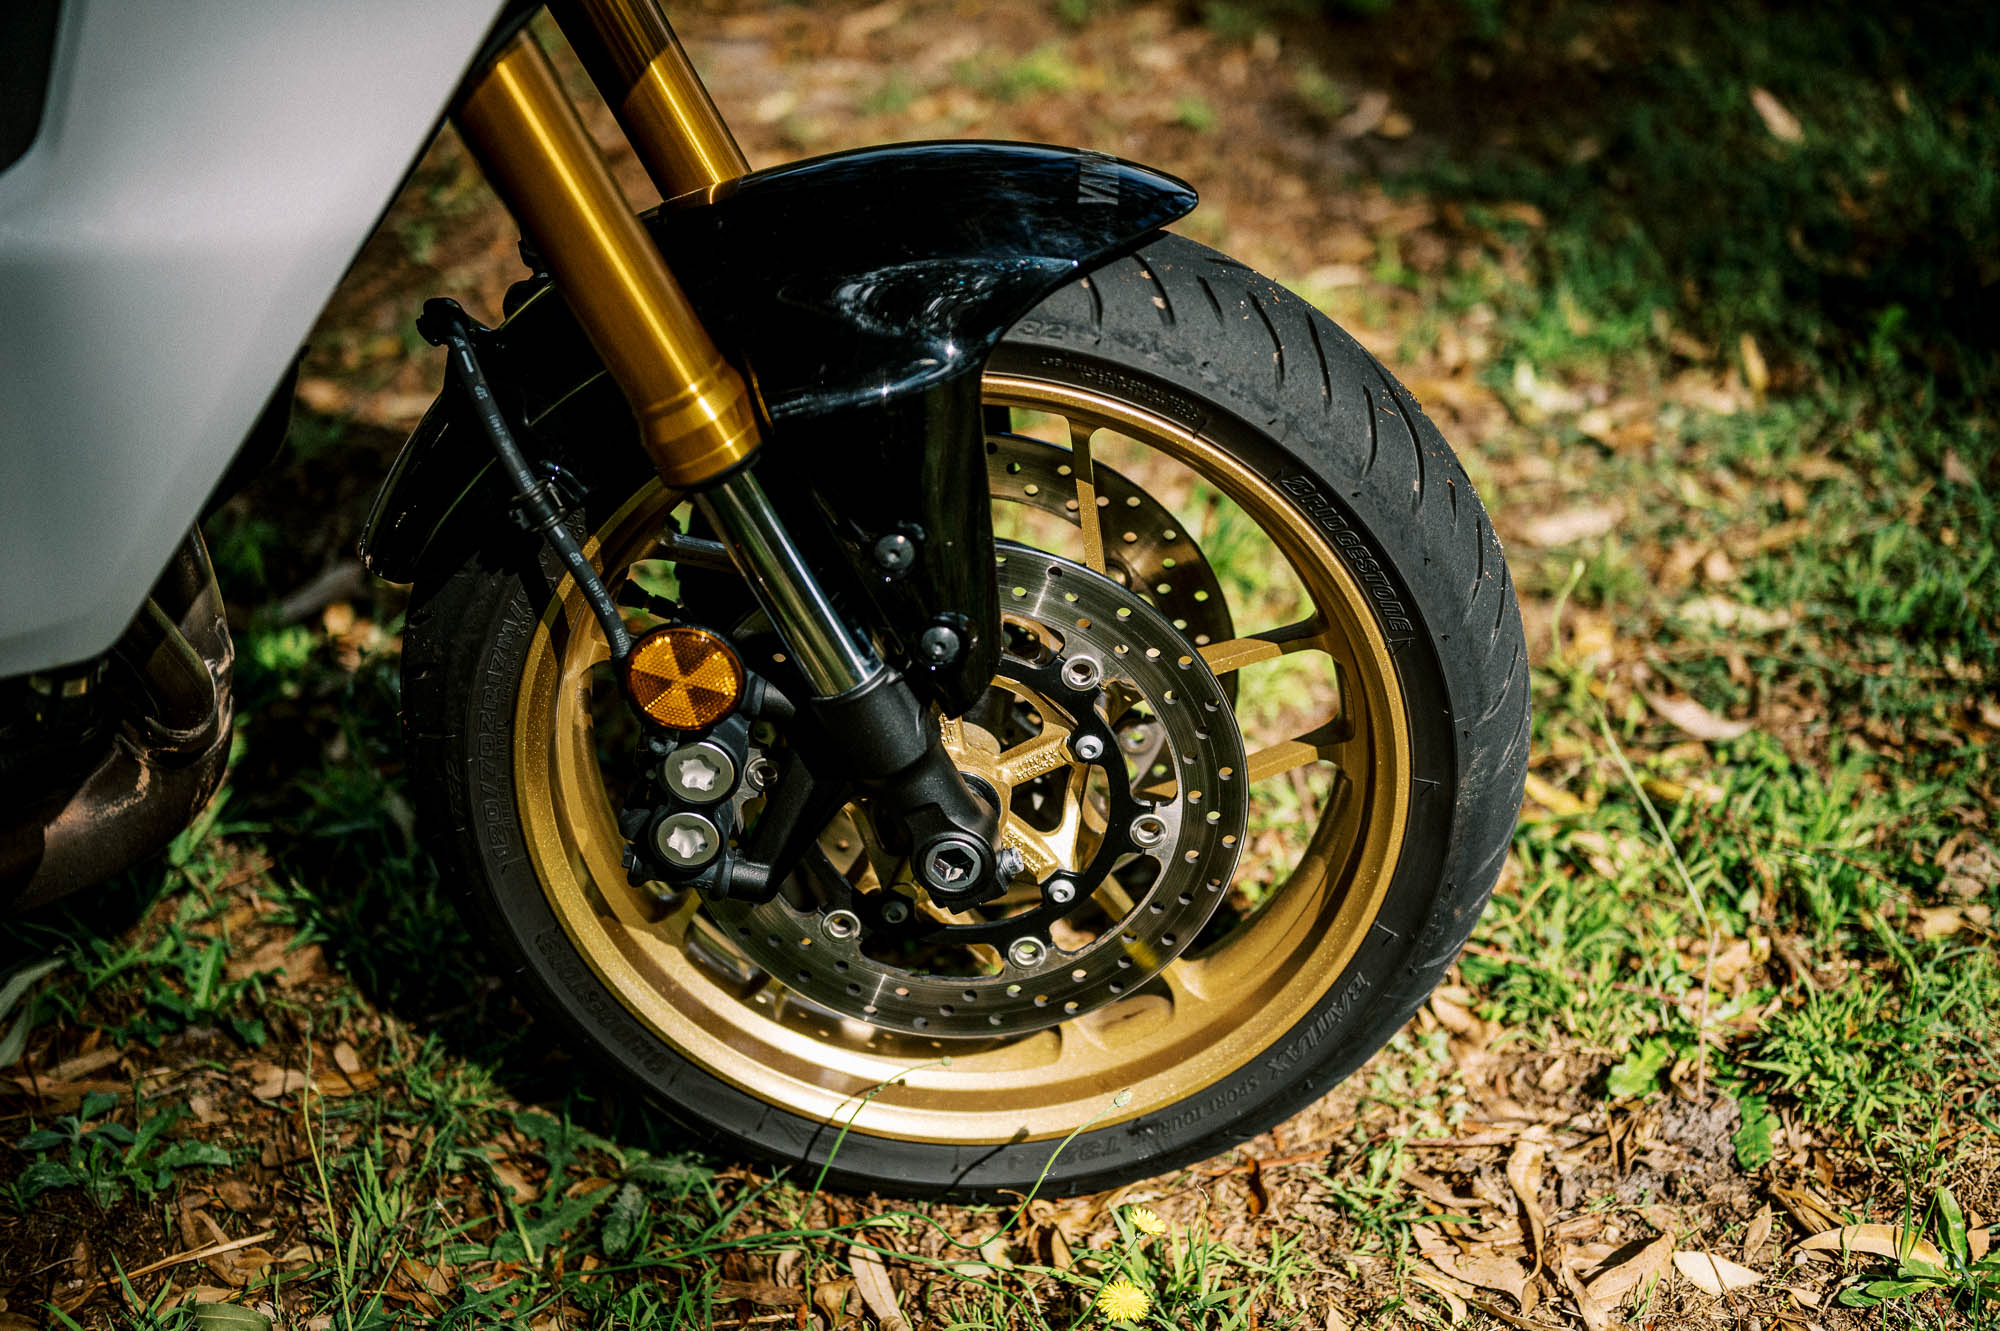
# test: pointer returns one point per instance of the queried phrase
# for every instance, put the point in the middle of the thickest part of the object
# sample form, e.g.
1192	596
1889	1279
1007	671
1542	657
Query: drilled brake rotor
1145	547
1124	867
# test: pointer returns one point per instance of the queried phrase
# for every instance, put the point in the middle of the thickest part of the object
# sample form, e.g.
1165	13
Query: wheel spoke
1305	635
1186	981
1030	758
1086	495
1320	742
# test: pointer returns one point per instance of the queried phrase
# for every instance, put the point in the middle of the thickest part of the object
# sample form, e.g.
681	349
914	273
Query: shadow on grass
1825	178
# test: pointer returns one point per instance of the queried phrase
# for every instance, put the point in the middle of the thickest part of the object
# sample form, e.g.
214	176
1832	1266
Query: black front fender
861	292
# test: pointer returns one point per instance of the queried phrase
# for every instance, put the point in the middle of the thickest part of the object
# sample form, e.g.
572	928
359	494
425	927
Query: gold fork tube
696	419
637	63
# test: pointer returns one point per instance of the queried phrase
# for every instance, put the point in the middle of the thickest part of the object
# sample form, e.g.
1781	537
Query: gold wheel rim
1205	1018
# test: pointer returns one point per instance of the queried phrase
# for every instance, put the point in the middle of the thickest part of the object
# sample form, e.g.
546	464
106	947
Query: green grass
1788	920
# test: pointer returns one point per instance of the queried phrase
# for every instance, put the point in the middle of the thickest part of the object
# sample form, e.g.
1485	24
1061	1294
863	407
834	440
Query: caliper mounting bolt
700	773
686	840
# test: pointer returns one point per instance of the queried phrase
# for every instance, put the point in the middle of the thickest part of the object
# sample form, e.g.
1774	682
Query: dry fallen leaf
1812	1212
271	1082
1715	1275
831	1298
1524	1176
513	1179
1784	126
1453	1292
1596	1316
1722	614
1695	719
1554	798
1504	1274
871	1279
1627	1281
1755	372
1943	921
1369	110
1570	525
761	1292
1955	469
1876	1240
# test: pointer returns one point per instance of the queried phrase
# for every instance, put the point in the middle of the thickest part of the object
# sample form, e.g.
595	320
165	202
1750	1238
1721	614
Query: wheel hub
1121	867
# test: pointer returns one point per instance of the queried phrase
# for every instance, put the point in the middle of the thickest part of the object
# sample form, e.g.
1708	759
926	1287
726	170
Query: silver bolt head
1007	864
1026	952
1089	748
1148	830
840	925
1080	672
686	840
762	774
1061	891
699	773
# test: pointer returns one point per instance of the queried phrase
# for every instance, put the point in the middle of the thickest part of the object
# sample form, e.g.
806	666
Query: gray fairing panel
204	174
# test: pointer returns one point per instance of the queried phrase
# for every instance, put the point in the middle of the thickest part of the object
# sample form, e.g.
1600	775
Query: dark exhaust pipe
155	716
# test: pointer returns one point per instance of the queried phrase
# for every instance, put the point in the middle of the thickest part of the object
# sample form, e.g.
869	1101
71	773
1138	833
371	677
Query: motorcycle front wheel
1247	496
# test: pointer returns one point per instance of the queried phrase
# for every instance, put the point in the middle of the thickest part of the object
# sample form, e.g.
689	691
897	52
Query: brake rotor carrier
1151	853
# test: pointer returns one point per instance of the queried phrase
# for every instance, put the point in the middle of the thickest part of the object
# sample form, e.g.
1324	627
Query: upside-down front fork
698	419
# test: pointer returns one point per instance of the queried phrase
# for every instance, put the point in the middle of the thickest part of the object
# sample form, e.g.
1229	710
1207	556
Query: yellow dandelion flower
1146	1220
1123	1301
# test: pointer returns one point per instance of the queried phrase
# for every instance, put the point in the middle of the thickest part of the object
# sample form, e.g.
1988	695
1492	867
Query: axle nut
951	864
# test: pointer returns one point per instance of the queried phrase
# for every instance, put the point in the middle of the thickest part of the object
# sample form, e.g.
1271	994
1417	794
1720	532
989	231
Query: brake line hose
445	323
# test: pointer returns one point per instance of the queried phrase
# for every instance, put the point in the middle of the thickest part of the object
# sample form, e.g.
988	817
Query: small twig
200	1254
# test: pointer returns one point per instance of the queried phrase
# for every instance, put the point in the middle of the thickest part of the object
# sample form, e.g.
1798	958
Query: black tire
1207	342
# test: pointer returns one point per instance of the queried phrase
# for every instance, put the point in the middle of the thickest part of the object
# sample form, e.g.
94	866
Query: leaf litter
1530	1171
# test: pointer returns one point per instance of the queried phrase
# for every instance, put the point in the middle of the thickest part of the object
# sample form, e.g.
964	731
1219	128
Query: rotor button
1026	953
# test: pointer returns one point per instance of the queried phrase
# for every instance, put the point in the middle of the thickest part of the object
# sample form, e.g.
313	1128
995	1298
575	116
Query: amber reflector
683	678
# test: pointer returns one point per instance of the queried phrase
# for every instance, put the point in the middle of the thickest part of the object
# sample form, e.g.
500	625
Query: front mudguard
861	293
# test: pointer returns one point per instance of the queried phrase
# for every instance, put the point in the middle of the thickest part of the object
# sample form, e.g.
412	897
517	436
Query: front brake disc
1118	881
